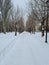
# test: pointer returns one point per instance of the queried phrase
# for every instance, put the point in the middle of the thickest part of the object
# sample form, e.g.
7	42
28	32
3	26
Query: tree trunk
42	30
4	27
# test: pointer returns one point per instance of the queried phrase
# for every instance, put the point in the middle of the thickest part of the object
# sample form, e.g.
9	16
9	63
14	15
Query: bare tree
38	9
16	19
21	25
30	24
5	6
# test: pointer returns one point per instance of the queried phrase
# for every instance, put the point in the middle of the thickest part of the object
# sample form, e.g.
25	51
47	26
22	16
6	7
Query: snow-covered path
25	49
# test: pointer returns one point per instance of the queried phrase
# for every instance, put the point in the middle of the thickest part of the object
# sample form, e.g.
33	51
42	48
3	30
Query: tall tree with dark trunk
38	10
5	6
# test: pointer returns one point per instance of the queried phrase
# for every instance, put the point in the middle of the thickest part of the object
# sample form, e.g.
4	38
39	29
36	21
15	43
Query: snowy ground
23	49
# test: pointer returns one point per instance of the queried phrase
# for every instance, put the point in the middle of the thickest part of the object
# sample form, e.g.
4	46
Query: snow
23	49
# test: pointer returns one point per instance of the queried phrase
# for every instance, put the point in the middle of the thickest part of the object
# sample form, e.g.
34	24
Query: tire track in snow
5	40
8	48
27	56
32	48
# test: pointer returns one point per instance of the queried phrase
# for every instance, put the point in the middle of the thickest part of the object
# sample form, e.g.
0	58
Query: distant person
16	26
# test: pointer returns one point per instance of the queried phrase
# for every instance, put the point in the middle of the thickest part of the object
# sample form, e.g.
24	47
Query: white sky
22	4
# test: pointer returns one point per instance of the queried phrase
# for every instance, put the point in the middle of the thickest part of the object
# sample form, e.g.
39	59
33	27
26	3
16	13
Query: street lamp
47	4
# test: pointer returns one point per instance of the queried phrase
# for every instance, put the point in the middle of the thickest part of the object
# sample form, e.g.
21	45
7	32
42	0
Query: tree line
9	17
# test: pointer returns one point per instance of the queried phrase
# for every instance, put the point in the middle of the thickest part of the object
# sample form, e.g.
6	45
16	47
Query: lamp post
47	3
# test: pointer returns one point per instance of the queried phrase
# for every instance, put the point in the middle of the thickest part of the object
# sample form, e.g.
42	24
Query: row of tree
5	6
9	16
37	11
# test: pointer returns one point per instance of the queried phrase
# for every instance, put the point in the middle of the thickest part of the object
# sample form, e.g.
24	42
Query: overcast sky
21	3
